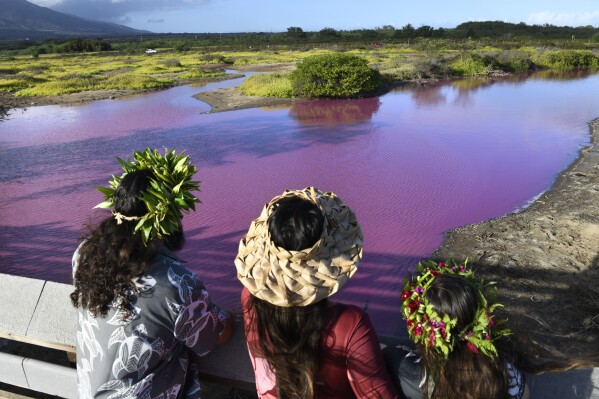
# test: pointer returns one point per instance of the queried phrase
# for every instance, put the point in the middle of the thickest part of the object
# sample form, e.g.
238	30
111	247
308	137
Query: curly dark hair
113	254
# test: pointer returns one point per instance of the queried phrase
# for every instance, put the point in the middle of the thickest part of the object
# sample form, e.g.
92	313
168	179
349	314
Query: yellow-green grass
198	73
87	83
268	85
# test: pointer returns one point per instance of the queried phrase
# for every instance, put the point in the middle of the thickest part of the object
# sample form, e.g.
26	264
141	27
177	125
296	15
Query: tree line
297	35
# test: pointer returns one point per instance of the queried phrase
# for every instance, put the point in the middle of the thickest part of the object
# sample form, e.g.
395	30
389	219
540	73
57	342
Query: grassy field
56	74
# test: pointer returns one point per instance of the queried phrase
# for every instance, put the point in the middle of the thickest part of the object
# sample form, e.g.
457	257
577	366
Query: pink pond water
412	164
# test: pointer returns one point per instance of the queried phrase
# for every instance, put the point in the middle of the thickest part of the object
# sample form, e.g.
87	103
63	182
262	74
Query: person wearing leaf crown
143	317
304	246
450	317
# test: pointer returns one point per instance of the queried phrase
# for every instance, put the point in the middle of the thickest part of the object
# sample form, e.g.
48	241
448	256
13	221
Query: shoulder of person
346	313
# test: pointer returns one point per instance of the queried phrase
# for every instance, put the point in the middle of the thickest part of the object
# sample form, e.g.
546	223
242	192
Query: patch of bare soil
230	99
545	259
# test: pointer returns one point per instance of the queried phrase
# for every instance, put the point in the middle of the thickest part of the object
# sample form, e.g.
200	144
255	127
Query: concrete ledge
18	300
11	370
40	313
55	319
51	378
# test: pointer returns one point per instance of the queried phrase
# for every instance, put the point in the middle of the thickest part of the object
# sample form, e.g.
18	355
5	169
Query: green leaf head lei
168	195
435	332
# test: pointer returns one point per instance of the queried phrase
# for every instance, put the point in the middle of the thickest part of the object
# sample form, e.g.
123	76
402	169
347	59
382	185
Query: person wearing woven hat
144	318
304	246
461	349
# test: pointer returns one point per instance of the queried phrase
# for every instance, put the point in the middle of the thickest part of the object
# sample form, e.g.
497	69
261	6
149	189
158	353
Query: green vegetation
331	63
471	64
335	75
268	85
51	75
76	84
567	59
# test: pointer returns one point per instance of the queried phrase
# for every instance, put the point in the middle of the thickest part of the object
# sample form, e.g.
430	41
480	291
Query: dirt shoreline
545	258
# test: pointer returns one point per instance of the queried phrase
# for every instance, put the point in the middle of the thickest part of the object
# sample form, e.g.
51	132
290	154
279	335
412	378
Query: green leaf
104	205
109	192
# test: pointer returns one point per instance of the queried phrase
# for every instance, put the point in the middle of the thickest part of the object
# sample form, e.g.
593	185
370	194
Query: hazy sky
313	15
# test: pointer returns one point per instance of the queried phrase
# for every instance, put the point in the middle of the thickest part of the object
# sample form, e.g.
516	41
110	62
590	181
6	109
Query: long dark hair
463	374
112	254
290	337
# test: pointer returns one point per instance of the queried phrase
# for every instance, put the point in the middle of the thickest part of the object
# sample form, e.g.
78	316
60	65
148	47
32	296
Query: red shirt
351	363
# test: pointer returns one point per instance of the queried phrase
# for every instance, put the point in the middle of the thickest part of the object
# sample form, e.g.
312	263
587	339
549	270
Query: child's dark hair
295	224
463	374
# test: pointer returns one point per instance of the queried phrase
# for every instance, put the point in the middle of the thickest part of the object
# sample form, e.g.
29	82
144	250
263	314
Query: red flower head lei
436	332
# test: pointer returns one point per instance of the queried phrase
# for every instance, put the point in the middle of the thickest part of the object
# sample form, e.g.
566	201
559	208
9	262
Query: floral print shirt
151	354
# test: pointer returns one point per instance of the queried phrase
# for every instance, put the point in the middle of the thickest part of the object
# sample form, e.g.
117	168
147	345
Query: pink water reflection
412	164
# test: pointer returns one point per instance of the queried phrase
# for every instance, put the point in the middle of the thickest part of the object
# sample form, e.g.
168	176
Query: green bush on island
268	85
567	59
509	61
470	64
335	75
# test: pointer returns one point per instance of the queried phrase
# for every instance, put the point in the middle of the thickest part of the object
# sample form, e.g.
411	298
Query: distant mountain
20	19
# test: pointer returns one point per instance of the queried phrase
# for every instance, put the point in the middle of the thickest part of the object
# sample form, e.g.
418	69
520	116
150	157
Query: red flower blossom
418	330
471	347
405	295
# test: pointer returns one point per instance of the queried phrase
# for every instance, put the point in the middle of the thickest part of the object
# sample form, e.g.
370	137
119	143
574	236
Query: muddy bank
545	259
231	99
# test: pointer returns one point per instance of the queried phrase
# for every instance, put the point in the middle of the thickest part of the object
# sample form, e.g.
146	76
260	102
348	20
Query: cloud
156	20
115	10
564	18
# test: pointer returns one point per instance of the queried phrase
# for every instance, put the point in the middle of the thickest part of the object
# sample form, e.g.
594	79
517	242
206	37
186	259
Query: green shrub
512	61
469	64
335	75
172	63
215	59
568	59
8	71
268	85
595	37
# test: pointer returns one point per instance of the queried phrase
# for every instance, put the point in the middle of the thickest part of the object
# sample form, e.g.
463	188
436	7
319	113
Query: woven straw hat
299	278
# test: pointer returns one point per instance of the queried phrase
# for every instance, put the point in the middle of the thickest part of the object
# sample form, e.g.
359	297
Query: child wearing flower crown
450	317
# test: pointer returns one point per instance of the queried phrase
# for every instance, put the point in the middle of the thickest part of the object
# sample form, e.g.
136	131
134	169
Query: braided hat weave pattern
300	278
